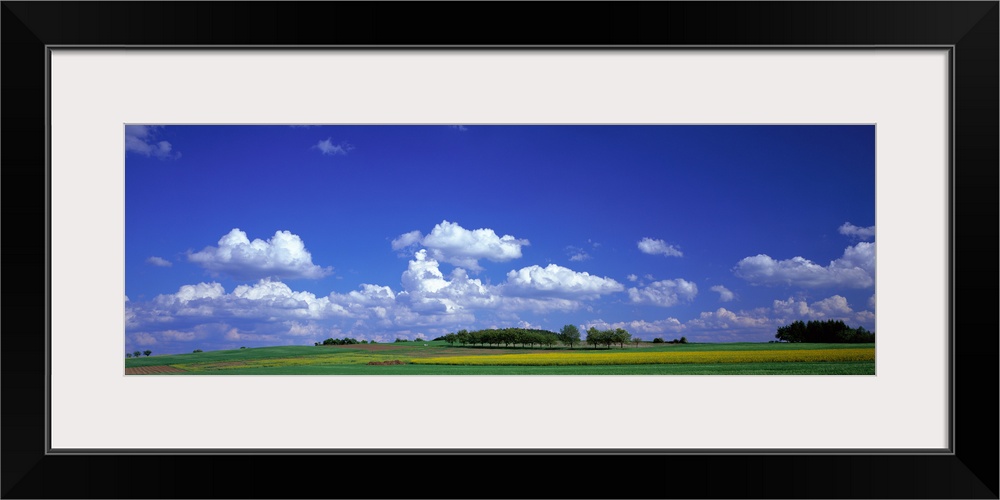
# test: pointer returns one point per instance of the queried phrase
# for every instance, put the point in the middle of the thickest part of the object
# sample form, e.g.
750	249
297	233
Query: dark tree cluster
343	341
607	338
507	336
829	331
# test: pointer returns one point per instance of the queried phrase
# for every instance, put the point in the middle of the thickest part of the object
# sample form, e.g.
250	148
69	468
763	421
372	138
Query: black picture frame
969	28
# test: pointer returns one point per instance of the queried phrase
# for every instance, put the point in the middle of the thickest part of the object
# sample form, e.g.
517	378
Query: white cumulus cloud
863	233
724	319
632	277
855	269
452	243
282	256
664	293
658	247
725	295
406	239
833	307
639	327
557	281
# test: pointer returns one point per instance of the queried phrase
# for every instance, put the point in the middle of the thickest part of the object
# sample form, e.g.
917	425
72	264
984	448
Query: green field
440	358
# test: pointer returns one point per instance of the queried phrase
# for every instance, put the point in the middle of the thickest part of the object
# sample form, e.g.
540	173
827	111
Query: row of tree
829	331
343	341
659	340
618	336
506	336
136	354
569	335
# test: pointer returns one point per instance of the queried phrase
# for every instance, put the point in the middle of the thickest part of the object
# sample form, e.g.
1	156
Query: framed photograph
288	228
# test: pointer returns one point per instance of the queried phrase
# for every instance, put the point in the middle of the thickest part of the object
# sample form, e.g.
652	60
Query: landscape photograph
495	249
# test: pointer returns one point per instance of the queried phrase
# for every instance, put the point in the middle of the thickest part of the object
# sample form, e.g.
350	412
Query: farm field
441	358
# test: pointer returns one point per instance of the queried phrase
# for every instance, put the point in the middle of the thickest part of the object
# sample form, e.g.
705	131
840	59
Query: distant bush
198	350
343	341
658	340
401	340
243	347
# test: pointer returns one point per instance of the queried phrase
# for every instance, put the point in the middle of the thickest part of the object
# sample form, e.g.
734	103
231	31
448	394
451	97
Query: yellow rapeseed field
658	357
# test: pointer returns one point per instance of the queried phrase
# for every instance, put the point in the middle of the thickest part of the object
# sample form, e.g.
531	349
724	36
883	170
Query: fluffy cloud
834	307
664	293
724	294
871	301
426	288
141	139
558	281
451	243
632	277
639	327
282	256
862	233
407	239
328	148
658	247
855	269
159	261
724	319
187	293
265	300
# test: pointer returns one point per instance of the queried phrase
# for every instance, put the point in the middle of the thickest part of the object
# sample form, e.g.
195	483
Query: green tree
636	340
593	336
795	332
569	335
147	352
128	355
620	337
684	340
136	354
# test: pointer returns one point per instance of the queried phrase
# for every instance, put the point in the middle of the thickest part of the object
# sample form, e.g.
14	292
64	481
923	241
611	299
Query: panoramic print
499	250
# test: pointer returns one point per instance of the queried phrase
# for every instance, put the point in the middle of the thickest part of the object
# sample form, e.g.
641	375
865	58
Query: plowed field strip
152	370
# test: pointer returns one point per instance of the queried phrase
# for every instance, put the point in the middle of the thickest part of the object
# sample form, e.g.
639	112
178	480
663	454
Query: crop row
644	358
346	358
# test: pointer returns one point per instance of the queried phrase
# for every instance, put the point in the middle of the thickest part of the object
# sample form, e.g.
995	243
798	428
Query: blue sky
252	235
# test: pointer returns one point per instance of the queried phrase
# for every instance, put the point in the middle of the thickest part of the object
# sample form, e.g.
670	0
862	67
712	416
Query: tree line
528	337
608	337
343	341
829	331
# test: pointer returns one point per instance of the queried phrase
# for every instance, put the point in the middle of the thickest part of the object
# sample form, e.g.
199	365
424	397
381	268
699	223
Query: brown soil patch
393	362
152	370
